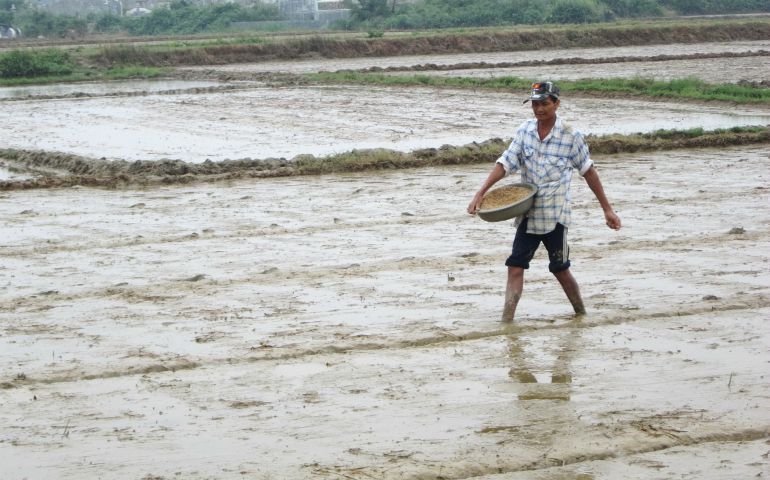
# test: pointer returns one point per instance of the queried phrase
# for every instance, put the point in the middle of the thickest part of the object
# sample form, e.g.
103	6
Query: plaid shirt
549	165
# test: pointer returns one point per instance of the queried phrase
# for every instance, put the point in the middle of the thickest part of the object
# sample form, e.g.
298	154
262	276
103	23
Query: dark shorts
526	244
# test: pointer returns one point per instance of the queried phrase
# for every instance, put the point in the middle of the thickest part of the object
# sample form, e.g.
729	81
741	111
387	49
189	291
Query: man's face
545	110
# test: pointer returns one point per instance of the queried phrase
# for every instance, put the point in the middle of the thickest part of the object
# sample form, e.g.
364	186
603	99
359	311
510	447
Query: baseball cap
543	90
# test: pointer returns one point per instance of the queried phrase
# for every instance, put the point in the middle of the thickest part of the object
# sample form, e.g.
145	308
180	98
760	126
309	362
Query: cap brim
539	97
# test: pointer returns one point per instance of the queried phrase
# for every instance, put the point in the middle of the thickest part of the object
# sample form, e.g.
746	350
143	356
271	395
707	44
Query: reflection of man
559	385
545	151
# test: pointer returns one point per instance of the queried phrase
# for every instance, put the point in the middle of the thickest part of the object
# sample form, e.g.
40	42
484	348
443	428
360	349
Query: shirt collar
556	131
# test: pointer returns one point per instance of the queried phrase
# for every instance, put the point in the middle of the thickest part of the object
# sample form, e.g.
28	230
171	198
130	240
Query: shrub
30	63
576	11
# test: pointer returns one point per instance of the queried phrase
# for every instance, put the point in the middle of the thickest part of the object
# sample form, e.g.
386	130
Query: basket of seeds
504	203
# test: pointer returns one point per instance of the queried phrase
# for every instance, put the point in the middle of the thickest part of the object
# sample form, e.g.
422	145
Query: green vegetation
31	63
185	17
182	17
19	67
687	88
391	14
690	88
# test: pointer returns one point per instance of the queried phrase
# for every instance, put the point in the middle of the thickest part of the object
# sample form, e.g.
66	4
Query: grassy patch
84	75
689	88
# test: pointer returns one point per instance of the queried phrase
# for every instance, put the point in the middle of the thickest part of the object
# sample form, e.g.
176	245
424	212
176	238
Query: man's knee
559	268
515	272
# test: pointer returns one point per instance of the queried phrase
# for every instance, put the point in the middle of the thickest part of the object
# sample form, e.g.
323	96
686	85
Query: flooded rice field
347	325
716	70
334	64
264	122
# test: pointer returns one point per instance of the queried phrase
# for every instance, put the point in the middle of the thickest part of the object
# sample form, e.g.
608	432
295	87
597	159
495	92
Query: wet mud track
346	326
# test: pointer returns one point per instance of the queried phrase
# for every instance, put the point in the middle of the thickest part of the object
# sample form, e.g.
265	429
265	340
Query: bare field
347	326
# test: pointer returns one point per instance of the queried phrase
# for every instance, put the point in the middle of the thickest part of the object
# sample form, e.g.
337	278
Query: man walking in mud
546	151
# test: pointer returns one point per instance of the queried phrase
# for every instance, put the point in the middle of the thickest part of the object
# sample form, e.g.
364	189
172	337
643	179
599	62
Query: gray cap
543	90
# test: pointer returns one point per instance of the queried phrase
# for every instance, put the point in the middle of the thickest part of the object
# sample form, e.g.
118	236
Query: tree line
395	14
180	17
186	17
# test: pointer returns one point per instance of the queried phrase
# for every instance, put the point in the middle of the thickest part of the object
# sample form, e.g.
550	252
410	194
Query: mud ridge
495	41
183	363
558	61
76	170
142	93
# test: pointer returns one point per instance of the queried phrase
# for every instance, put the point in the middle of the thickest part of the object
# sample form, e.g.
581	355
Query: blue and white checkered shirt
549	165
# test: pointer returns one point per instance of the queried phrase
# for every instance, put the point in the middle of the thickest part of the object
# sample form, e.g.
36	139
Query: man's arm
595	184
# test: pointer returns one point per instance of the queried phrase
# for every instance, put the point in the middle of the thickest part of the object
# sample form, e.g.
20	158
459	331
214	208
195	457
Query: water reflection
542	364
542	369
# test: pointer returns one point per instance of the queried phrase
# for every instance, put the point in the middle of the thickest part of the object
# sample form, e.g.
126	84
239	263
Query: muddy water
346	326
712	70
284	122
315	65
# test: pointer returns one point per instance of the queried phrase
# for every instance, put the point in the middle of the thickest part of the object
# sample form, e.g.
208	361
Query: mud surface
347	325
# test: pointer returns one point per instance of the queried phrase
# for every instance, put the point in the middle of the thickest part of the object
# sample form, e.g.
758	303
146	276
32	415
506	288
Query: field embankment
53	169
434	43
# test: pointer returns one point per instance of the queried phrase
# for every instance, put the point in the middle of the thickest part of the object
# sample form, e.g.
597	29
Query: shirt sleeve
581	158
510	158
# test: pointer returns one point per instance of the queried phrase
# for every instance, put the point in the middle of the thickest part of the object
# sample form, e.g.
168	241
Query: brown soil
564	61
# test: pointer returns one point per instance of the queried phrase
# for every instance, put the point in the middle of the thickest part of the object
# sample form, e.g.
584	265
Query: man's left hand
613	221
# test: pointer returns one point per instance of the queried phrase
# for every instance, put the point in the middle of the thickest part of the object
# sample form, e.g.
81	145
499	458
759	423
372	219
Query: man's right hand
475	204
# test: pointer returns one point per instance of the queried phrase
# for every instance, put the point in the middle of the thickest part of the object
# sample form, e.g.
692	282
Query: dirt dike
435	44
56	169
563	61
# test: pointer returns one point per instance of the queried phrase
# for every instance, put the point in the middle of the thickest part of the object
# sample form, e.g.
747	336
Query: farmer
546	151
